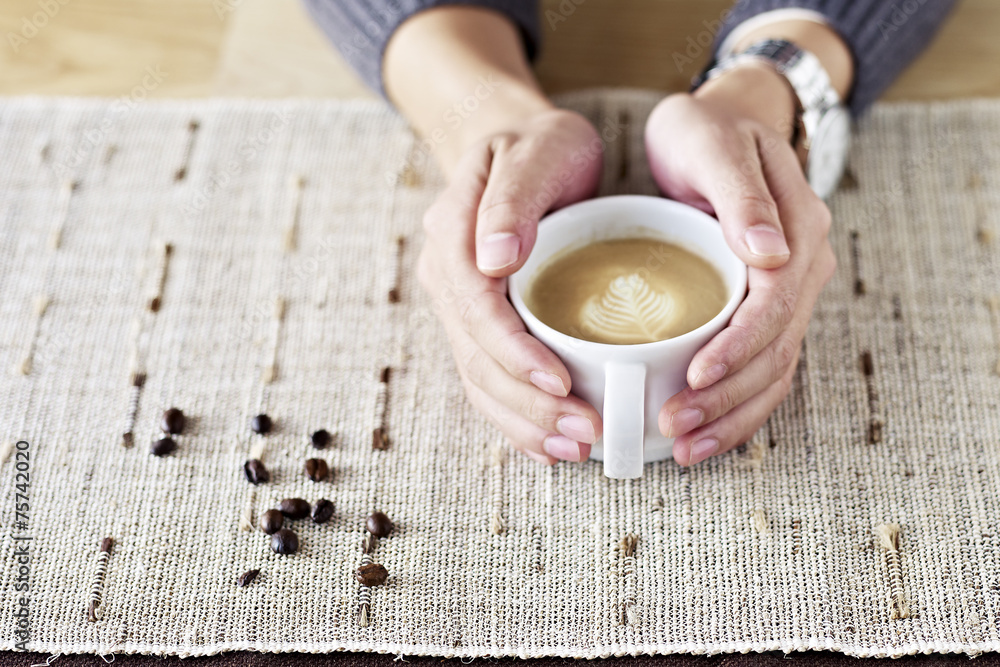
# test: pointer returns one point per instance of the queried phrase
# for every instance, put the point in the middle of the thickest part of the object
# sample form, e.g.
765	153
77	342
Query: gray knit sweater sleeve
883	36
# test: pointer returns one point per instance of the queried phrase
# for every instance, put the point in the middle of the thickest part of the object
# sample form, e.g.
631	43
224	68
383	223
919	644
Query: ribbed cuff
360	29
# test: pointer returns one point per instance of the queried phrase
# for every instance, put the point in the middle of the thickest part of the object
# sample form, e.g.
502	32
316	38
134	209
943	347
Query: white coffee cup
628	384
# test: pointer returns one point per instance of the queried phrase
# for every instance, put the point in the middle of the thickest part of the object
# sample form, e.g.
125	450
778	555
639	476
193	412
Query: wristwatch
823	124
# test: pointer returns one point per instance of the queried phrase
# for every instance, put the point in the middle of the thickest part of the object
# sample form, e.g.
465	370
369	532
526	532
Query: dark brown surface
252	659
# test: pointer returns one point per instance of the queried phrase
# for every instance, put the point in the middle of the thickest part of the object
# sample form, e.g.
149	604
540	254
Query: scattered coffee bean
285	542
246	578
322	511
372	574
272	521
321	439
368	543
172	421
294	508
256	472
379	524
317	469
261	424
163	446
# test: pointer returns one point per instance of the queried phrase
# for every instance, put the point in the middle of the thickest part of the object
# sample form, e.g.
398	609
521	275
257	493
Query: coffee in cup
626	291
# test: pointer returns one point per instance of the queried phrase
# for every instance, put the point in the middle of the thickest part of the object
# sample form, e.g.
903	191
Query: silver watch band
803	70
820	115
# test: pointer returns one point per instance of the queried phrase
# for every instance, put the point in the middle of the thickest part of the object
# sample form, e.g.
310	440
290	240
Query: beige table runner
894	417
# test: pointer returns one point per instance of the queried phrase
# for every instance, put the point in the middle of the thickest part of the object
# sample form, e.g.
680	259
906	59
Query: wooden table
269	48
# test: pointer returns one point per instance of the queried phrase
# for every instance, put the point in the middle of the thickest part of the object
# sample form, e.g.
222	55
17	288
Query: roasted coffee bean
261	424
322	511
379	524
372	574
317	469
256	472
321	439
172	421
163	446
294	508
285	542
272	521
246	578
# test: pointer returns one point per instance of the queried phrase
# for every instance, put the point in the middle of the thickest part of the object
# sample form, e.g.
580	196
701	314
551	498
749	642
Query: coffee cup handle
624	419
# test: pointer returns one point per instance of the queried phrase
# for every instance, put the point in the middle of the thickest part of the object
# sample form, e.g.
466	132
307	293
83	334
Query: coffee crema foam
630	310
626	291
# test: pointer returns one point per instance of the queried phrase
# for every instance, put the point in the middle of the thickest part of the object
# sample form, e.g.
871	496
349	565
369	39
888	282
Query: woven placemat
208	247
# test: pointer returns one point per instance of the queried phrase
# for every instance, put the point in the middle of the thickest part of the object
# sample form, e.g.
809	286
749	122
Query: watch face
828	151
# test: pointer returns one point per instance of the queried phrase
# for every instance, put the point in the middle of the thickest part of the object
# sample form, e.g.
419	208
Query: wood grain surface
270	48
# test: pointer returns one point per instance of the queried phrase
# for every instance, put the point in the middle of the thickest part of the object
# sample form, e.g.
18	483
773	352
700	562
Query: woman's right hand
481	230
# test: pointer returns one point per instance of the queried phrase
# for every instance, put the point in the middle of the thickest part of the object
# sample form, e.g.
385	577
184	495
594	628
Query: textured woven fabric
893	417
255	659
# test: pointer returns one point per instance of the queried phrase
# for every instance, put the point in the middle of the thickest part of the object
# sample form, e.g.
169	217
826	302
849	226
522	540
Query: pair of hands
702	152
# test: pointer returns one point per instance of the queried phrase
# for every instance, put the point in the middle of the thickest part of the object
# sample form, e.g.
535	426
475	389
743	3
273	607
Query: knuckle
755	200
531	408
512	212
468	311
744	341
823	217
503	143
473	365
430	221
783	385
729	398
512	349
830	263
784	299
785	350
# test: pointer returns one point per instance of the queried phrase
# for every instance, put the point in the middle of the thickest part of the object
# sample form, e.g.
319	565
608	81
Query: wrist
756	91
458	74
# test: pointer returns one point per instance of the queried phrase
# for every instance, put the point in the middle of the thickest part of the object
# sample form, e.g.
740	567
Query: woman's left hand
725	150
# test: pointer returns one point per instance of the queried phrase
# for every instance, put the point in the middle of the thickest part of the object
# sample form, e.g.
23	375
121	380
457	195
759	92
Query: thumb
746	209
520	190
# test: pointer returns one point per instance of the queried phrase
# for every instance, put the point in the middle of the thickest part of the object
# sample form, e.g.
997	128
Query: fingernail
537	457
578	428
709	376
498	251
685	420
548	382
702	449
562	448
765	241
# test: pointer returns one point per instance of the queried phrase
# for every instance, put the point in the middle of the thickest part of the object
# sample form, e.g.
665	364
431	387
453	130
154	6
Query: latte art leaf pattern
630	310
